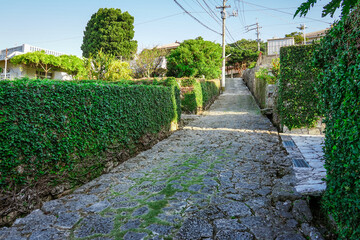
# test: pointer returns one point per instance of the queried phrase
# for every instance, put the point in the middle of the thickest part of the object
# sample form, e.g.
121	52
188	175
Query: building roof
317	34
25	48
170	46
276	39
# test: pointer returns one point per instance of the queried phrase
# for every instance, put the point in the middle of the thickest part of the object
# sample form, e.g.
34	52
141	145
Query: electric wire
157	19
193	8
212	12
275	9
192	16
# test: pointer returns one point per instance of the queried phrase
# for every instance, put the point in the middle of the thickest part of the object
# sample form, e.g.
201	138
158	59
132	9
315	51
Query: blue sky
59	25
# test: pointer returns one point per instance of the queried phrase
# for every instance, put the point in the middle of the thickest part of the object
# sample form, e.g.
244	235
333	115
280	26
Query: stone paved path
224	176
310	181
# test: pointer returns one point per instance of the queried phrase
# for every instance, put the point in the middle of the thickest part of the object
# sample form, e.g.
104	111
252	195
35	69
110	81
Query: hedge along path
298	102
338	55
224	176
197	95
55	134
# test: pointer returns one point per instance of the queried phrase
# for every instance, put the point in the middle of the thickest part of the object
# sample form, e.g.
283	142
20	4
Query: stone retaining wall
263	92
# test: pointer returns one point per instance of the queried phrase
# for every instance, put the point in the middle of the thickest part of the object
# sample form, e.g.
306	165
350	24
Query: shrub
210	90
67	131
197	94
252	65
275	69
104	66
298	102
338	55
263	73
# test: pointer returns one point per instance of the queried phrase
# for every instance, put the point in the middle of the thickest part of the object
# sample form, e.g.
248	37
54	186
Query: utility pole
258	34
303	27
257	28
5	70
223	16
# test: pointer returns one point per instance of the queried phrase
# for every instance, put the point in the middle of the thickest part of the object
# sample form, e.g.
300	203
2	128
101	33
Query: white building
18	71
168	48
275	44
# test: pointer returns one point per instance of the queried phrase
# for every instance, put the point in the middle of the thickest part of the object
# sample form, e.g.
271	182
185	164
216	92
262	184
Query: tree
330	8
103	66
195	58
38	60
46	62
298	37
112	31
72	65
243	52
149	61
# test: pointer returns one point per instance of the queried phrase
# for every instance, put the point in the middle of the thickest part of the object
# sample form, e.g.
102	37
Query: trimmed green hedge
69	130
339	57
197	94
298	102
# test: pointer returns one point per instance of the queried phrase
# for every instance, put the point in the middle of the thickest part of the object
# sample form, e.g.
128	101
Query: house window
41	75
2	74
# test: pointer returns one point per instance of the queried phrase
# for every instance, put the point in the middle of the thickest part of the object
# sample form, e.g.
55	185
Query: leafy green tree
103	66
298	37
38	60
149	61
243	52
72	65
330	8
112	31
46	62
195	58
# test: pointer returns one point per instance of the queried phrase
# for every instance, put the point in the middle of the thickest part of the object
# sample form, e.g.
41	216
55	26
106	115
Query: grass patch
168	191
155	210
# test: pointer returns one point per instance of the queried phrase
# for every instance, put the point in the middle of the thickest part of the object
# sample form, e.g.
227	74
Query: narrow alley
224	176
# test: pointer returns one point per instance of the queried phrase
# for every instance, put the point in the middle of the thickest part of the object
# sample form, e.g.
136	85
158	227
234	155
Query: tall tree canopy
330	8
195	58
111	31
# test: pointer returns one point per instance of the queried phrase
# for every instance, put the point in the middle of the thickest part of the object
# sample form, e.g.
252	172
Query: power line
157	19
283	24
209	13
243	10
213	13
271	15
58	40
274	9
195	17
192	6
141	23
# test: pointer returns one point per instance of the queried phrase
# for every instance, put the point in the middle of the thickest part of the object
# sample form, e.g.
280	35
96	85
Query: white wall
274	45
62	76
